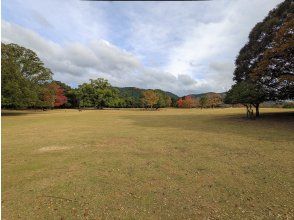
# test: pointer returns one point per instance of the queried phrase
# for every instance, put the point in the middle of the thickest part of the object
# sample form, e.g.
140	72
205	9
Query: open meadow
135	164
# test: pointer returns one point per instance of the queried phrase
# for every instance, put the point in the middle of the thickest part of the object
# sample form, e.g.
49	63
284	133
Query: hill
137	92
222	94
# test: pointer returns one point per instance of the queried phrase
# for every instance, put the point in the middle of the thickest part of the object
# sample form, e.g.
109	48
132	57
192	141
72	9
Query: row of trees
99	93
206	101
264	67
27	83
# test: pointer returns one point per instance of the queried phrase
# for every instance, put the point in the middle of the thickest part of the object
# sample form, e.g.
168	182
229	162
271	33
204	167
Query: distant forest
27	83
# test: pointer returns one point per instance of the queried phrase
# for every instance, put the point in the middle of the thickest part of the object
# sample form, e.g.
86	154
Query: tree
214	100
188	102
164	100
266	62
274	71
73	100
203	101
47	97
23	77
60	98
98	93
245	93
150	98
180	103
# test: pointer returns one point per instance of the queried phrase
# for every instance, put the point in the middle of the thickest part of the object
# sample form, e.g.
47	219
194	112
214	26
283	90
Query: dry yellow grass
131	164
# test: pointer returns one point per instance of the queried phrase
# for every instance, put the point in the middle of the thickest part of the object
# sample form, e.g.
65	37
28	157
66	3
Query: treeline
209	100
27	83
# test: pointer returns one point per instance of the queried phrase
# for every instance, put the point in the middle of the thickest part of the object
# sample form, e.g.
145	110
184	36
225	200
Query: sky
181	47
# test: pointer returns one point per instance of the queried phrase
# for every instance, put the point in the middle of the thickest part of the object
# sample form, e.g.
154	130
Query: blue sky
182	47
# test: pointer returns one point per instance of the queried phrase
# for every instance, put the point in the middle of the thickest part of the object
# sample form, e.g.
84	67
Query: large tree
98	93
267	60
23	77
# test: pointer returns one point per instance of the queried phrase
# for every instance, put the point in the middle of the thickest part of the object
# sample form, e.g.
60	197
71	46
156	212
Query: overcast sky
182	47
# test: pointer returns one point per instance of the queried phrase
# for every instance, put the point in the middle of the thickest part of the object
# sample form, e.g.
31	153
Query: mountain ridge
137	92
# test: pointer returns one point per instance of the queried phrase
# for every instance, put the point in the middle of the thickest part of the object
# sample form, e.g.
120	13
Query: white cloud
77	63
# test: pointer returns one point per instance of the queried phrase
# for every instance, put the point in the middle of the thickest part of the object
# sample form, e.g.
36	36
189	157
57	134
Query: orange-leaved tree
150	98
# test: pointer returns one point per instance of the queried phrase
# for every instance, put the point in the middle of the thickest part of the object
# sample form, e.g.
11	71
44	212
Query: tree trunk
247	111
257	110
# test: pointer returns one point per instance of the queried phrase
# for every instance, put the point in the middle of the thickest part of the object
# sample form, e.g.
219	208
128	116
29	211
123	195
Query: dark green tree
203	102
98	93
247	94
24	77
164	100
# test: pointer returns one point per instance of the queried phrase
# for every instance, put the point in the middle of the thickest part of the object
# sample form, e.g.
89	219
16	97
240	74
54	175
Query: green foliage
164	99
98	93
267	60
23	77
203	102
264	67
72	98
133	97
244	93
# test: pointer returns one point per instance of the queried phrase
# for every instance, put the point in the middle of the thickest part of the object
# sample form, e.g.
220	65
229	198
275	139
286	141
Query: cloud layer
183	47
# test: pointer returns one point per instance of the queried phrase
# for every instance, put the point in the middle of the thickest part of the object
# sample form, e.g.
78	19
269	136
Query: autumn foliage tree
53	96
214	100
266	62
60	98
150	98
180	103
188	102
274	71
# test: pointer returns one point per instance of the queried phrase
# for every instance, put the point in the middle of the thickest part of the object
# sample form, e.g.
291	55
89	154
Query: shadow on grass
278	116
275	126
19	112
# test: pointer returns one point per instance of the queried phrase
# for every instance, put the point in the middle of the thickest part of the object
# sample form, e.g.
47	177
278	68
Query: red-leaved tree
180	103
60	98
55	95
187	102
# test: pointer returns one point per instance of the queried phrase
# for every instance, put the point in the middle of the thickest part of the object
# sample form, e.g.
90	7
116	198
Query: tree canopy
98	93
23	77
265	64
150	98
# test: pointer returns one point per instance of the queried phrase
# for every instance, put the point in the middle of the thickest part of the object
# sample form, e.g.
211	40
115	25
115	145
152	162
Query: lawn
135	164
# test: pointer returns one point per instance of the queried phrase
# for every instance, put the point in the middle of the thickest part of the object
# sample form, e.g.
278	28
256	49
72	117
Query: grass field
132	164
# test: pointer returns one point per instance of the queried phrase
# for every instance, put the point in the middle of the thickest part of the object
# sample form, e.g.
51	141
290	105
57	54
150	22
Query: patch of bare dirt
53	149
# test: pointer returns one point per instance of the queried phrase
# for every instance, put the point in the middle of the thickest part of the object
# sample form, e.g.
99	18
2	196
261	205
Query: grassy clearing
168	164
